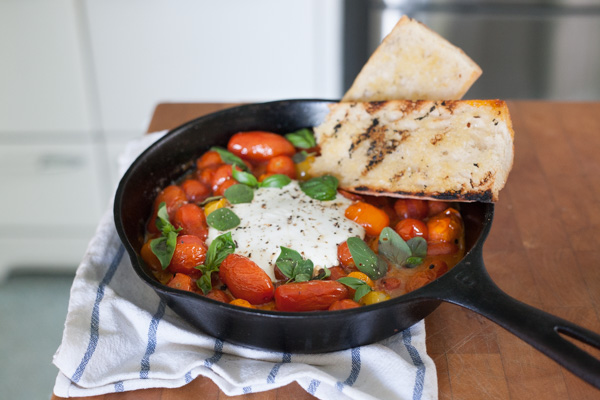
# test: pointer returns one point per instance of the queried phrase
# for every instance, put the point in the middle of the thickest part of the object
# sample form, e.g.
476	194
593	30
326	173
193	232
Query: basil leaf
412	262
393	247
293	266
229	158
209	199
302	139
303	271
205	282
321	188
299	157
222	246
301	277
162	217
244	177
164	247
239	193
418	246
275	181
365	259
360	286
324	273
223	219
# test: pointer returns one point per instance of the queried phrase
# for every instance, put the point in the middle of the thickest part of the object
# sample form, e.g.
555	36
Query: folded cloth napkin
120	336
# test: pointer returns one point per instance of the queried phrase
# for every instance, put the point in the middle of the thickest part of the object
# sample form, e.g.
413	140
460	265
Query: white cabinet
78	78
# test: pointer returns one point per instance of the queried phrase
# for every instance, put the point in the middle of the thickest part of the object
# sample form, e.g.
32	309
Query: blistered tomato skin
259	146
411	208
192	220
409	228
282	165
246	280
190	251
345	258
445	227
371	218
195	191
182	282
309	296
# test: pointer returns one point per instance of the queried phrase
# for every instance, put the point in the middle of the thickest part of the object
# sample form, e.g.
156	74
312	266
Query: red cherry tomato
309	296
259	146
219	295
192	220
221	174
195	191
173	197
409	228
411	208
420	279
220	190
208	159
190	251
345	258
181	282
246	280
437	206
282	165
439	267
337	273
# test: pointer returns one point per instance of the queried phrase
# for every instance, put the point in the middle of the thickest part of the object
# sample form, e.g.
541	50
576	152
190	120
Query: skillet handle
474	289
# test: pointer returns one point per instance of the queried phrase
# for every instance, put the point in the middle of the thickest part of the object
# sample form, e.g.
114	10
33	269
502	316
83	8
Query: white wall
79	78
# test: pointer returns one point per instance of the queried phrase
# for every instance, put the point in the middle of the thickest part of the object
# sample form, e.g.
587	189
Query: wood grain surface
543	249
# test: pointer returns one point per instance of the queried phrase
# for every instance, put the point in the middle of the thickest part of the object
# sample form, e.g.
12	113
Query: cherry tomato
246	280
182	282
309	296
390	283
371	218
441	248
192	220
282	165
259	146
344	304
190	251
195	191
439	267
411	208
173	197
219	295
205	175
210	158
220	190
221	174
344	257
420	279
350	195
409	228
437	206
149	257
336	273
445	226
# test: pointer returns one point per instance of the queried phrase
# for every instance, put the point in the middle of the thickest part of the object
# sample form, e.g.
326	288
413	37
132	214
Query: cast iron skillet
467	284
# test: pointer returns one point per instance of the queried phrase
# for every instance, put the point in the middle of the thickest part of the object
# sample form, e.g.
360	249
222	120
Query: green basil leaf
293	266
393	247
302	278
299	157
209	199
164	247
244	177
303	271
360	286
239	193
321	188
324	273
418	246
221	246
366	260
229	158
205	282
162	217
302	139
275	181
412	262
223	219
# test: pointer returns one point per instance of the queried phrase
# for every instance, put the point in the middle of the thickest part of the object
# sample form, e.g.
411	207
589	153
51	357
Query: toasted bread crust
450	150
414	63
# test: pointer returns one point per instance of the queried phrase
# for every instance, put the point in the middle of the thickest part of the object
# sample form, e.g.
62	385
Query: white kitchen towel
120	336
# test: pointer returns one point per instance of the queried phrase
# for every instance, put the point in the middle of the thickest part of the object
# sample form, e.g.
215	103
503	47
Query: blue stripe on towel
417	361
151	347
287	357
247	389
313	386
208	363
95	323
119	387
354	371
188	377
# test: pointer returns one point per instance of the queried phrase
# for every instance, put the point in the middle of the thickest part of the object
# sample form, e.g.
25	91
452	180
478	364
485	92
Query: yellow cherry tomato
363	277
373	297
214	205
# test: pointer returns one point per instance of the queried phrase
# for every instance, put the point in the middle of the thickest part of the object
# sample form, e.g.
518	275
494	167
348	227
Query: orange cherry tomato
222	173
173	197
411	208
219	295
309	296
345	258
371	218
195	191
190	251
445	226
282	165
192	220
149	257
259	146
182	282
409	228
208	159
246	280
205	175
344	304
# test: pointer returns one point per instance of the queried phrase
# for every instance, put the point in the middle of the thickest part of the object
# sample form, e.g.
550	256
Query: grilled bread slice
448	150
414	63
